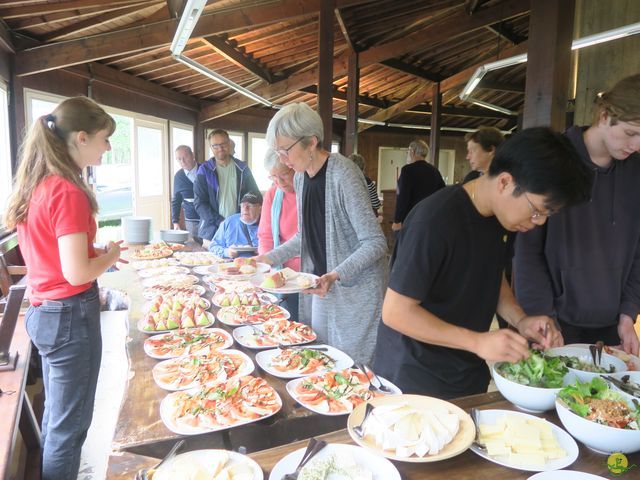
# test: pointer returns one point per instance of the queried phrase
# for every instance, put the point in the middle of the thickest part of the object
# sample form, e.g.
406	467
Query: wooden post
353	87
434	141
325	70
549	63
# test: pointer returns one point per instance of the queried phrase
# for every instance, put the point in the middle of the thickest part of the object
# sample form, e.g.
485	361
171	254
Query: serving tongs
147	473
596	352
475	416
623	385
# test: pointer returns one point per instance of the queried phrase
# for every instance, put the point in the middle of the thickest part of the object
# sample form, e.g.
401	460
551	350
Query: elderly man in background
220	184
183	192
239	229
418	179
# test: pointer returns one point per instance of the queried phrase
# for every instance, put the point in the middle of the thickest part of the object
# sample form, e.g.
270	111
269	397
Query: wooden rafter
47	8
44	20
344	30
410	69
238	58
160	33
93	22
342	96
6	43
502	86
175	7
505	32
456	25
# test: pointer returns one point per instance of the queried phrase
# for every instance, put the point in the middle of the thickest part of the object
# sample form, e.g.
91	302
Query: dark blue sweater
182	190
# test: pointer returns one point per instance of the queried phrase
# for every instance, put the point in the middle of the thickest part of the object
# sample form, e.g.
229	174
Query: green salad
536	371
595	401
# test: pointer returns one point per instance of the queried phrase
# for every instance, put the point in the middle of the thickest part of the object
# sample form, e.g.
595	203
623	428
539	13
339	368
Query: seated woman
279	218
338	239
240	229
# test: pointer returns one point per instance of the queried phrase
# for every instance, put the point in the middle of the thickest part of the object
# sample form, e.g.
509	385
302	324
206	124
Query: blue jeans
67	335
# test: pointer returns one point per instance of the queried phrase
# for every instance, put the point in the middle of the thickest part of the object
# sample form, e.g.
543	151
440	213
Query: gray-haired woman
338	238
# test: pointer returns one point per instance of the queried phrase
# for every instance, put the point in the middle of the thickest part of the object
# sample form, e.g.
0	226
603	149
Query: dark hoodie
583	265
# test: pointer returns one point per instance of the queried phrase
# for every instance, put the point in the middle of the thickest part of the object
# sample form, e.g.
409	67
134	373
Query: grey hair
296	120
271	160
358	160
186	148
420	148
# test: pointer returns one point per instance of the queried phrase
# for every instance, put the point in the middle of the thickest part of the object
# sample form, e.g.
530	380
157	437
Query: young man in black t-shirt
447	277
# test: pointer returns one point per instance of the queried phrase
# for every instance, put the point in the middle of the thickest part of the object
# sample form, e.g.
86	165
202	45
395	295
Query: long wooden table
140	429
465	466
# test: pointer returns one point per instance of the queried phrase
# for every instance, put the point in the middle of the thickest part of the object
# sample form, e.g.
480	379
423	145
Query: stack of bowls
136	229
175	236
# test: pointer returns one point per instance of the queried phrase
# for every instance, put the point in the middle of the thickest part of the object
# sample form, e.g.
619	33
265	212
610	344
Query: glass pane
258	151
149	161
335	147
114	176
238	139
180	136
40	107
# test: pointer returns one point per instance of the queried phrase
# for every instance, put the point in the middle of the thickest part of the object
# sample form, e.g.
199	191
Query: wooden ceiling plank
6	42
235	56
458	25
410	69
502	86
47	20
176	7
92	22
422	94
344	30
108	44
47	8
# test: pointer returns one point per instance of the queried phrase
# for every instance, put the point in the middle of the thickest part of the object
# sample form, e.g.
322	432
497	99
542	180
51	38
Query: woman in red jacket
53	209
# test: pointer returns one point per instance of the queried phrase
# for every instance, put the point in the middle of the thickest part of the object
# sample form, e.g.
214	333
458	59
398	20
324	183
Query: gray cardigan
357	250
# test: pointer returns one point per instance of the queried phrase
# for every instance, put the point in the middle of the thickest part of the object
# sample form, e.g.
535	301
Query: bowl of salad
532	384
579	361
600	417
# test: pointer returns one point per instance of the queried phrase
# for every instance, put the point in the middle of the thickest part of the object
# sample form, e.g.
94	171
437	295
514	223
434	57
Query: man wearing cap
220	184
239	229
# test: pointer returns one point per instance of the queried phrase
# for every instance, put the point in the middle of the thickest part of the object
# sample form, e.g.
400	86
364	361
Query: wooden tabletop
139	428
464	466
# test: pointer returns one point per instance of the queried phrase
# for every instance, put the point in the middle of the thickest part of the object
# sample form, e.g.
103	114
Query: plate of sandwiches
288	281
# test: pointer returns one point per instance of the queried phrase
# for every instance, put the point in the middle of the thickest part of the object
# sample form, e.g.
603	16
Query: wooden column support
436	120
325	70
353	87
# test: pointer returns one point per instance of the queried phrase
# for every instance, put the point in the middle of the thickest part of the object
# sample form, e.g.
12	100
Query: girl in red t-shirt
53	209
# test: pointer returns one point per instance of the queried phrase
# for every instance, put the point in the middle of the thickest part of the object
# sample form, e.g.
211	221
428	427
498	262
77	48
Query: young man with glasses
220	184
447	278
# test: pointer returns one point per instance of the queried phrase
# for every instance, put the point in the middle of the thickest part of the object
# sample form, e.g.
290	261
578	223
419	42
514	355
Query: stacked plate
136	229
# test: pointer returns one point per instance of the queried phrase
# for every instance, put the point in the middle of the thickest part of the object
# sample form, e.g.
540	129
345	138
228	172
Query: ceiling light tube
491	106
190	15
607	36
220	79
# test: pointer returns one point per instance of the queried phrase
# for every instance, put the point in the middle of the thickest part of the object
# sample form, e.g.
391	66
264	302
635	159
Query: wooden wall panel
600	66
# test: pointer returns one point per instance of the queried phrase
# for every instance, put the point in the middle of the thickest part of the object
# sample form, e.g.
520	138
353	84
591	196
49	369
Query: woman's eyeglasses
284	152
281	177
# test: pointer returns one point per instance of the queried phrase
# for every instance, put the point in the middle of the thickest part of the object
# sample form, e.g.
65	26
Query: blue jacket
206	189
182	193
230	232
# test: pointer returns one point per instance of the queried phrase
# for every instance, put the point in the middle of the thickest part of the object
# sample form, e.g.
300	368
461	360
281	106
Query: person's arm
531	276
405	315
373	196
202	204
630	306
540	329
265	232
77	267
402	199
218	243
176	201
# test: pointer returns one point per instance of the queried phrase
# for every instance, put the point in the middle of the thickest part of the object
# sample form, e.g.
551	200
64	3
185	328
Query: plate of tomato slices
251	314
337	392
273	333
191	341
301	361
223	405
183	373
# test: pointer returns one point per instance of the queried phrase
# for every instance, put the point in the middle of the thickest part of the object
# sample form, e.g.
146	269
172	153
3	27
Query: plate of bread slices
287	281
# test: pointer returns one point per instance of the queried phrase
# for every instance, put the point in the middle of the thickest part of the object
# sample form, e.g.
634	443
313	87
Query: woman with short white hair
338	238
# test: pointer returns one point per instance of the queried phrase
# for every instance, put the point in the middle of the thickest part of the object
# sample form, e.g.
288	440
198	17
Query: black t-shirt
313	218
451	258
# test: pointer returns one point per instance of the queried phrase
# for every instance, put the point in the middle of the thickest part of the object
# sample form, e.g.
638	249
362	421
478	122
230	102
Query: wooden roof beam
505	32
176	7
6	42
345	30
501	86
238	58
96	47
403	67
47	8
456	25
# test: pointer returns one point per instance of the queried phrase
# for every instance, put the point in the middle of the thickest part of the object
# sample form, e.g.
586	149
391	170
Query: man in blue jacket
220	184
183	192
239	230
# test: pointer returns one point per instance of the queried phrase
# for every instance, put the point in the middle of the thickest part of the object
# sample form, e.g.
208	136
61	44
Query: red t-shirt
57	208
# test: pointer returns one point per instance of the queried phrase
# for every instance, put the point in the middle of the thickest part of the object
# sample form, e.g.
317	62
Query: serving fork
313	447
380	386
143	473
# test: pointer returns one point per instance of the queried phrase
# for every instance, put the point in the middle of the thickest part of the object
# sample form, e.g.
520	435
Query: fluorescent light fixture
474	80
223	80
491	106
192	11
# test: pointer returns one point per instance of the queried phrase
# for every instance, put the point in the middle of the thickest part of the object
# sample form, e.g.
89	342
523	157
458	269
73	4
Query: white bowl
634	376
176	236
525	397
598	437
583	353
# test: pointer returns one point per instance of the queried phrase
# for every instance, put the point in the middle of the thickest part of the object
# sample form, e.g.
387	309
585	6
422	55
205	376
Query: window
5	152
238	139
257	150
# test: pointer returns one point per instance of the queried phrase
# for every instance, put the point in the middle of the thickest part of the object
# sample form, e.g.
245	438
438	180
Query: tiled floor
113	371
